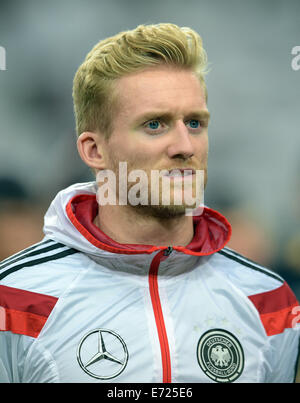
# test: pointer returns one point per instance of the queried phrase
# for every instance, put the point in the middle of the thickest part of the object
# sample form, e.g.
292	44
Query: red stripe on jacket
159	317
24	312
277	309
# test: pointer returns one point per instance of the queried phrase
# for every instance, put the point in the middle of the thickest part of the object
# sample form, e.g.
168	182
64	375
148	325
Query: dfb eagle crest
220	356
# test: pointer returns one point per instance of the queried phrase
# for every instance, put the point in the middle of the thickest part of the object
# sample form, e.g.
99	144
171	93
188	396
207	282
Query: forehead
162	89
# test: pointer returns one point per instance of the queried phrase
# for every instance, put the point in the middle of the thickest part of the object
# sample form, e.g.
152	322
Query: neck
125	224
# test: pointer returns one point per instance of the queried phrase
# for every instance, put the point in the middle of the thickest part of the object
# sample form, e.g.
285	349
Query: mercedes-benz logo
102	354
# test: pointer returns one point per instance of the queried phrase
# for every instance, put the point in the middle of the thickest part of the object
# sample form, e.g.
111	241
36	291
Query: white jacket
79	307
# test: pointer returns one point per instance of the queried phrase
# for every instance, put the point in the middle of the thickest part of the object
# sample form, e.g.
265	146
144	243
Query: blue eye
194	124
154	124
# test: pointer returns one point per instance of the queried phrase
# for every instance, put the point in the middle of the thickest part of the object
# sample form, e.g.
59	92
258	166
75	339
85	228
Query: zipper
168	251
158	314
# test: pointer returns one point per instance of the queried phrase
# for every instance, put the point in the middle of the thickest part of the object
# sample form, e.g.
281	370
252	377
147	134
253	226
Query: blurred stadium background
254	101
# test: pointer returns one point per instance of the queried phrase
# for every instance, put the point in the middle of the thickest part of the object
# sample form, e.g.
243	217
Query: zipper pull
168	251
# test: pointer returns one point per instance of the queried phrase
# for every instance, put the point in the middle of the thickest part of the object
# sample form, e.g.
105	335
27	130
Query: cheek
144	154
201	148
136	156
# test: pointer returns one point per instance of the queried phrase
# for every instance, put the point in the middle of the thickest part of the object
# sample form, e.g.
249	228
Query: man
142	292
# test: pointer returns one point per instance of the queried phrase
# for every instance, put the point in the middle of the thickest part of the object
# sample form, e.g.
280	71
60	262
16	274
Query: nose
181	145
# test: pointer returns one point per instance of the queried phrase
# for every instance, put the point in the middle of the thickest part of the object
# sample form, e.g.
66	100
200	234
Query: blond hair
125	53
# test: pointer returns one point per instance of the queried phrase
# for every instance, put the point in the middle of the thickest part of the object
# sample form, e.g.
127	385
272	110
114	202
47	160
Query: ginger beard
161	193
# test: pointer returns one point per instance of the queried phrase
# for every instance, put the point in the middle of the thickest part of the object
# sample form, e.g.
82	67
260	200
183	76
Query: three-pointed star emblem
103	353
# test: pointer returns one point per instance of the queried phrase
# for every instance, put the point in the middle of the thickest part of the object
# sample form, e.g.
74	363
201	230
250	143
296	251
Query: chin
161	211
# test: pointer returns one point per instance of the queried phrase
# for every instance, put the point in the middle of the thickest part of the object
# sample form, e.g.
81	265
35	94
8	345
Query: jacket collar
69	220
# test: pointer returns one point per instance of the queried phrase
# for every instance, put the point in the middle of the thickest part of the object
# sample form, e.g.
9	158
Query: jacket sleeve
5	371
285	346
9	362
279	312
284	352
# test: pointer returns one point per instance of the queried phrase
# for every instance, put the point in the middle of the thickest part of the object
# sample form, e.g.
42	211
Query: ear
89	145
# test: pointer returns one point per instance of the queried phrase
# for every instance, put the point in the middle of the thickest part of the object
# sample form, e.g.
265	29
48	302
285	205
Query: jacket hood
69	220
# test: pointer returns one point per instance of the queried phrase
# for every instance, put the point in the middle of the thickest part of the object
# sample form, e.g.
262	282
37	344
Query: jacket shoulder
31	282
269	293
248	273
36	257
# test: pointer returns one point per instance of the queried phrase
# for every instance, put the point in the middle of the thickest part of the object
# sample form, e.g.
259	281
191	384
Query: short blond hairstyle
125	53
